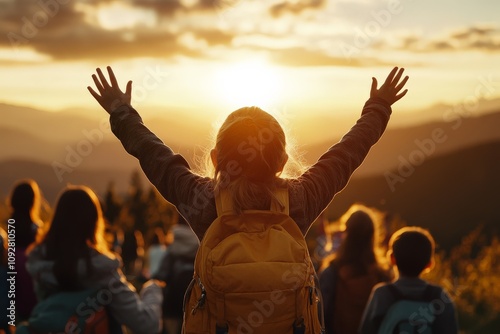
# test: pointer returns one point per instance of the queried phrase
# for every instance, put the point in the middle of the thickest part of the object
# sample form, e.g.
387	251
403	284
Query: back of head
77	216
358	247
360	227
76	227
249	153
25	201
413	250
25	197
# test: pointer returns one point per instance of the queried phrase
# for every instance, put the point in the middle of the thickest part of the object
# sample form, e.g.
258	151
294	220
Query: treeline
470	272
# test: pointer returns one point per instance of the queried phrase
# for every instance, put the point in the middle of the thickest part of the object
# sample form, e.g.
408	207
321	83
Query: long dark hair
358	248
25	201
76	228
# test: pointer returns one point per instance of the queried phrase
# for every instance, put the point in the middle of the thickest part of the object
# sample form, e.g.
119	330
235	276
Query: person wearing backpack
79	282
410	304
349	275
253	273
176	270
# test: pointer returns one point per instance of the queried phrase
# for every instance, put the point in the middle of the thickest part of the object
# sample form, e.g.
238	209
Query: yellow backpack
253	274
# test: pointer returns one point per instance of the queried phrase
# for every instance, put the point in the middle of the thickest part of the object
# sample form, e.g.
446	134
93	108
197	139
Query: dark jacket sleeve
330	174
168	172
377	305
192	194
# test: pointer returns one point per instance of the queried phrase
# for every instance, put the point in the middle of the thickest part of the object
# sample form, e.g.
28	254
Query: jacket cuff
380	102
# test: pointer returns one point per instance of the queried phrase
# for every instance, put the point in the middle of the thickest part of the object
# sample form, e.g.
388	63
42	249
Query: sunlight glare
250	83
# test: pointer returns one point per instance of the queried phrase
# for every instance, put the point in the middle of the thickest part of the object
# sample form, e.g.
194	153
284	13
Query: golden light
250	83
117	15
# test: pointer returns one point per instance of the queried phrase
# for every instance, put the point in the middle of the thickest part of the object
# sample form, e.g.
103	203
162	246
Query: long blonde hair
249	156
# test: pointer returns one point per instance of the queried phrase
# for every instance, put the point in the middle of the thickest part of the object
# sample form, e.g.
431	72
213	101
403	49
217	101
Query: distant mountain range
454	184
448	194
46	137
397	143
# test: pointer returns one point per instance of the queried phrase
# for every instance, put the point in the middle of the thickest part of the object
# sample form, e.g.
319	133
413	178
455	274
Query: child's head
25	198
249	153
412	250
78	219
358	248
76	227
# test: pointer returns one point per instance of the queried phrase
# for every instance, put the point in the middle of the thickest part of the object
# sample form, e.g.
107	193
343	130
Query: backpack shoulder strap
223	203
431	293
279	203
396	293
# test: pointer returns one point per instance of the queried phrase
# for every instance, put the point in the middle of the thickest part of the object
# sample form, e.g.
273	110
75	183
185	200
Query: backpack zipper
201	300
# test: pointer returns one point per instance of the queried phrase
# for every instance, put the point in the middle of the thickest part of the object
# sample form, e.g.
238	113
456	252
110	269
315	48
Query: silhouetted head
358	248
412	250
249	153
78	217
25	201
360	228
252	142
77	227
25	198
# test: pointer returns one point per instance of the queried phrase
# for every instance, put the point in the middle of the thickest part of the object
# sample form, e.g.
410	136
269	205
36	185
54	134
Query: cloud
163	8
295	7
67	32
301	57
474	38
76	30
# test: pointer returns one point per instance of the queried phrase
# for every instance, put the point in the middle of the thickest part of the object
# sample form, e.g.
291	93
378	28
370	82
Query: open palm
110	97
390	90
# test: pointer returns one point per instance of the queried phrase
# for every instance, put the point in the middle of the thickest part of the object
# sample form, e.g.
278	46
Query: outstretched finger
112	77
94	93
103	78
399	96
390	77
401	85
128	91
398	76
98	84
373	89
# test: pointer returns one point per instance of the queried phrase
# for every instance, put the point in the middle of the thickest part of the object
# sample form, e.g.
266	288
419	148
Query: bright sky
310	56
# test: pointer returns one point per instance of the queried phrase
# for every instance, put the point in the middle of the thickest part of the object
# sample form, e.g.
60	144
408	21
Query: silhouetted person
73	256
25	201
132	253
411	250
248	157
156	251
351	273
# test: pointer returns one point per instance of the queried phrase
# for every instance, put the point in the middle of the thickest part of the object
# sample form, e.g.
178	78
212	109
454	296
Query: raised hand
389	91
110	97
